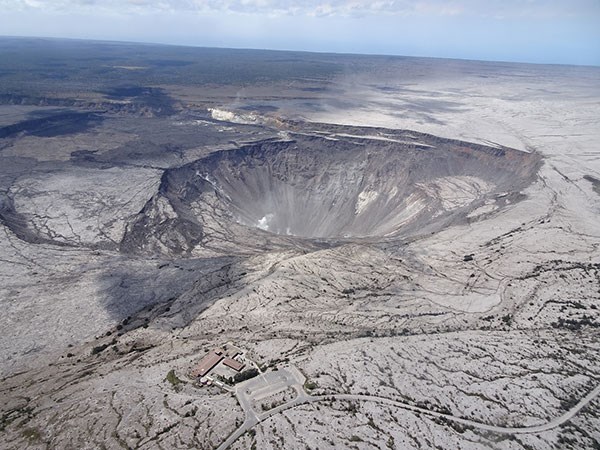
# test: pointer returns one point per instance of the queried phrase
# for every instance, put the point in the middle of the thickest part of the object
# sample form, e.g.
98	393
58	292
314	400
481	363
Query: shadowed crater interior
333	188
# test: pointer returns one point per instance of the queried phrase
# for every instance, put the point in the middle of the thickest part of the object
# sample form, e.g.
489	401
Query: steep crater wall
319	187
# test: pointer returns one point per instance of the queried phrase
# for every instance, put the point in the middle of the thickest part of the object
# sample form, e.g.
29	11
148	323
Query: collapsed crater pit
342	187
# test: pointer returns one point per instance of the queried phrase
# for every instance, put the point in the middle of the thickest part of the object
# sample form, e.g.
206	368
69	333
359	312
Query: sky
538	31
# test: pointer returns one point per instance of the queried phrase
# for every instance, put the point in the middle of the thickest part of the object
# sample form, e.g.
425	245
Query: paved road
261	387
252	418
482	426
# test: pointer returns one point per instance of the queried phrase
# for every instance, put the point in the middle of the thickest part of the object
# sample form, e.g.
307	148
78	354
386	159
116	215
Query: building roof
206	364
235	365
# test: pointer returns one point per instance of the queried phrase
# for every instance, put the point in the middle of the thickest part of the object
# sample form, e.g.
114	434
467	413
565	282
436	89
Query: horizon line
317	52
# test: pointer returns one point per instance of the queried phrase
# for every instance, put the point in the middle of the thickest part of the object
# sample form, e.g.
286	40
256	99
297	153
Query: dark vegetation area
241	376
30	65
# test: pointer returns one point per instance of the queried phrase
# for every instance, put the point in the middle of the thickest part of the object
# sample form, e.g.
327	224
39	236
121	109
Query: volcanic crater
334	187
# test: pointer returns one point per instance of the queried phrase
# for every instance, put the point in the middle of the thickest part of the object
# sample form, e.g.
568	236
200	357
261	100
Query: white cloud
485	8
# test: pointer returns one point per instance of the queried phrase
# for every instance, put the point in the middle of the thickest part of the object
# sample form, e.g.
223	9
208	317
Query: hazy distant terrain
407	249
